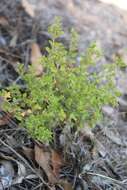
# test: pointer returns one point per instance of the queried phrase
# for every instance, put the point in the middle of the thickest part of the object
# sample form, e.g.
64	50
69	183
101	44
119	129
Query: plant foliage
66	93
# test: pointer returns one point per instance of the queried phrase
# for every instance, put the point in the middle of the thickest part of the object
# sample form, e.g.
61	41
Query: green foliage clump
66	94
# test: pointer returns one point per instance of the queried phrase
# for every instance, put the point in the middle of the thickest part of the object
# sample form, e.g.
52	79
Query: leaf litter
83	160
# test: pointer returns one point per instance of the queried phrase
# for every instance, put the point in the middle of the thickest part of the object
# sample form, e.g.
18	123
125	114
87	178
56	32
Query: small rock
108	111
122	104
2	41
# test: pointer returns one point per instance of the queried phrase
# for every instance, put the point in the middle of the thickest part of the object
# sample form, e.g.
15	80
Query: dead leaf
29	8
6	173
35	56
66	185
8	164
3	21
29	152
21	174
42	157
4	119
56	162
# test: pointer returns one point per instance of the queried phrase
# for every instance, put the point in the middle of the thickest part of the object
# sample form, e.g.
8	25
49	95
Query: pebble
122	104
2	41
108	111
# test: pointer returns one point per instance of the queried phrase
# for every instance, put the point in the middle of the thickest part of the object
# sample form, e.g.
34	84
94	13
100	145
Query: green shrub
66	94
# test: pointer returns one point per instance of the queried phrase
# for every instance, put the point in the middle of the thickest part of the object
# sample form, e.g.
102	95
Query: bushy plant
65	94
